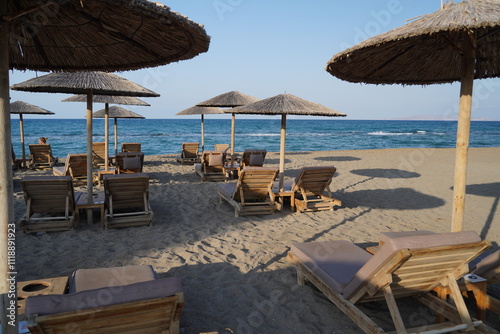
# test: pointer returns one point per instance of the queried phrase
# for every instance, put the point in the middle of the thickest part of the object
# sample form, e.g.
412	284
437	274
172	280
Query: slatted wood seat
41	156
311	190
127	200
252	194
98	154
189	153
212	166
50	203
74	166
131	147
402	267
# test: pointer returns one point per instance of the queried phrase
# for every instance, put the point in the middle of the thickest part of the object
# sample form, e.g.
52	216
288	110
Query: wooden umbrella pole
233	121
115	131
7	270
21	132
202	133
106	136
282	151
89	155
463	130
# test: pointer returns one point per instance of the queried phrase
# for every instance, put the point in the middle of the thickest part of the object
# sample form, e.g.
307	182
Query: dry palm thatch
286	104
116	112
20	107
228	100
196	110
428	50
125	100
100	83
131	34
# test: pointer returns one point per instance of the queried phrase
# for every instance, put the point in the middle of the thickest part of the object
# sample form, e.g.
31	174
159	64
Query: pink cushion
488	263
215	160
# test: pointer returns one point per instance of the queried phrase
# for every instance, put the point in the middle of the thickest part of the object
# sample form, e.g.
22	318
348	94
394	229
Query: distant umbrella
90	83
21	108
116	112
196	110
460	42
285	104
229	100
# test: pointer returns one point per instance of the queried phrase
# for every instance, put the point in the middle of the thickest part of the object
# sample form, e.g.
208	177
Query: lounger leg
393	308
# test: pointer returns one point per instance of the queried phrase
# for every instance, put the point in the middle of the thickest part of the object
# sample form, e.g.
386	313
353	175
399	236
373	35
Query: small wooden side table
102	172
96	203
47	286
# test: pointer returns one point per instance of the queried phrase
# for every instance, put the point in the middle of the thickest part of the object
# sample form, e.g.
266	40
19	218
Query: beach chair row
406	264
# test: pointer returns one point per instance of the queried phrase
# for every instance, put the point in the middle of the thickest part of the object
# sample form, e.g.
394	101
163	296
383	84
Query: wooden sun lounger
402	267
98	154
189	153
212	166
252	194
41	156
131	147
309	190
254	158
221	147
129	162
127	200
50	203
74	166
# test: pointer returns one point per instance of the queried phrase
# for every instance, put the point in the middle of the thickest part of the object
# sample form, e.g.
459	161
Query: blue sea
164	136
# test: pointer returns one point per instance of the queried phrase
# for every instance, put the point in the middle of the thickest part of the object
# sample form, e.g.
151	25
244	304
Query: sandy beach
234	270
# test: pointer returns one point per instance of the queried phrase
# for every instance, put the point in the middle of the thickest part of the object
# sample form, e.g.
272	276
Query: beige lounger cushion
386	236
54	304
89	279
488	263
215	159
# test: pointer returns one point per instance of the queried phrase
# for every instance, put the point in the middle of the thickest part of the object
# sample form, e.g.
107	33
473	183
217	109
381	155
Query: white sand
234	270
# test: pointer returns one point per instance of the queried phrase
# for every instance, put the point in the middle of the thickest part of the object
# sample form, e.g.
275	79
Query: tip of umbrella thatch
98	83
228	100
286	104
116	112
20	107
197	110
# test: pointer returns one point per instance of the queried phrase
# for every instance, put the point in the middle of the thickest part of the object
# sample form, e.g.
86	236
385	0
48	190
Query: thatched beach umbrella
196	110
460	42
107	100
116	112
21	108
285	104
70	35
101	83
229	100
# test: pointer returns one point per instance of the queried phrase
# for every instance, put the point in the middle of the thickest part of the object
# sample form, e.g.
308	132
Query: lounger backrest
41	153
98	152
221	147
314	180
190	150
415	264
126	190
76	165
255	183
253	157
130	162
489	267
45	194
131	147
213	158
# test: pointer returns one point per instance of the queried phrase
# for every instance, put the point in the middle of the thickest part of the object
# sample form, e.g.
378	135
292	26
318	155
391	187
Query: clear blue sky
268	47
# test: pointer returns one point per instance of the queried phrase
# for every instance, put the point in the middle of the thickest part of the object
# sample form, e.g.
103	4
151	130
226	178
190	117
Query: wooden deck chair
135	302
309	190
402	267
74	166
17	163
212	166
41	156
98	154
189	153
131	147
129	162
221	147
127	200
252	194
50	203
254	158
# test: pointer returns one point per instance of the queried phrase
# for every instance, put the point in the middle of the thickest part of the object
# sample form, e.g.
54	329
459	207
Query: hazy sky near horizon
264	48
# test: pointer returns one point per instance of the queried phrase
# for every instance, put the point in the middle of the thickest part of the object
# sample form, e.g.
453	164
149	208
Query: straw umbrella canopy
107	100
196	110
229	100
115	112
285	104
111	35
460	42
21	108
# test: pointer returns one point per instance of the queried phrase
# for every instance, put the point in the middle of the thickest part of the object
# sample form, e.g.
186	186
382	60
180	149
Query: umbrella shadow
486	190
339	158
275	161
386	173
